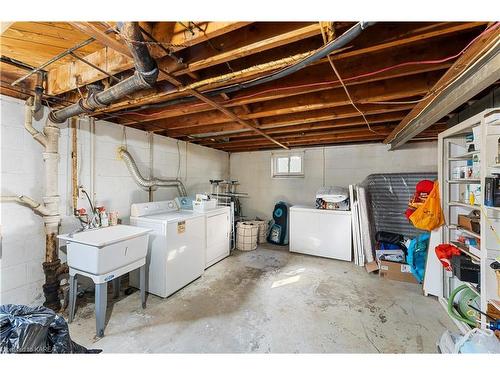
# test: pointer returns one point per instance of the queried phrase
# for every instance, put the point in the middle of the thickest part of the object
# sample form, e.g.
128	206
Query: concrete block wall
332	165
22	233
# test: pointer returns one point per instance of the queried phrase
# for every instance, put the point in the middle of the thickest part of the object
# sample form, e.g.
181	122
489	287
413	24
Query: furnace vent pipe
146	73
153	182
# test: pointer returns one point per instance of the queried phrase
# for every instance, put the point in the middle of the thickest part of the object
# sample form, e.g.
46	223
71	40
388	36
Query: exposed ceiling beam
377	91
475	70
308	82
161	95
245	47
113	62
308	127
231	115
293	119
298	141
98	32
4	26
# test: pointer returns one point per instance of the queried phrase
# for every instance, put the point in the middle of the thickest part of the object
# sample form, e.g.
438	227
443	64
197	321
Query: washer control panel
152	208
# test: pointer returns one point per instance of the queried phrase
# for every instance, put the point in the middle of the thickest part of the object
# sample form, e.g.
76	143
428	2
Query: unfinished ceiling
387	70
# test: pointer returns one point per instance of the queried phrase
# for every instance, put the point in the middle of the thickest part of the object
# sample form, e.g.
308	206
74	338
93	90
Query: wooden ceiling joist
245	47
443	97
372	49
304	128
294	119
380	91
114	62
389	62
98	32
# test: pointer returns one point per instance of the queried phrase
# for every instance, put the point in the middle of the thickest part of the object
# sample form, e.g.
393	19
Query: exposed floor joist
396	63
480	65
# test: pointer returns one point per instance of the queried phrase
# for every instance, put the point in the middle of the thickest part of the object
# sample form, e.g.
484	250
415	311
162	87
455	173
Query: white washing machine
176	251
218	230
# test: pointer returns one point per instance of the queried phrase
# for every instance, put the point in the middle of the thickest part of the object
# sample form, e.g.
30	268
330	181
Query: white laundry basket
262	230
246	235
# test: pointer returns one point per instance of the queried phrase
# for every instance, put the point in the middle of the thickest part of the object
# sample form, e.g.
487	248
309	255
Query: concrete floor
270	300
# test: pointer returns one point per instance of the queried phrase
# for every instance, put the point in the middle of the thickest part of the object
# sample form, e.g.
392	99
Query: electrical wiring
391	102
349	96
325	39
453	80
318	84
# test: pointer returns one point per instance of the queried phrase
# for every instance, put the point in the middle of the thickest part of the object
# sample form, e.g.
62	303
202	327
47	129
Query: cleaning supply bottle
104	218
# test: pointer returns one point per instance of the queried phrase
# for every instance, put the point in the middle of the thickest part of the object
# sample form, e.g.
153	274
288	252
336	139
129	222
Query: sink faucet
93	220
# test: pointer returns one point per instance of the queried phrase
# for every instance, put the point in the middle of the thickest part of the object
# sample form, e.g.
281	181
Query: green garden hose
467	297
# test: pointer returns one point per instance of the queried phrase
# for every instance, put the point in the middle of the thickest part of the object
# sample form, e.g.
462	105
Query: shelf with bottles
466	205
464	249
465	231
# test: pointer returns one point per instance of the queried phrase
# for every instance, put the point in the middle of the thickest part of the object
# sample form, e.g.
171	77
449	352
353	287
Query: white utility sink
102	250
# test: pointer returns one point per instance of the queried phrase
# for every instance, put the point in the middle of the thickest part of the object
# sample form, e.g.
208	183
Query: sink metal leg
116	287
73	291
100	307
142	285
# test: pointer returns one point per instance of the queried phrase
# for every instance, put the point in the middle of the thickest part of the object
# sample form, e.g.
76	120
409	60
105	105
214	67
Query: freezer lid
306	208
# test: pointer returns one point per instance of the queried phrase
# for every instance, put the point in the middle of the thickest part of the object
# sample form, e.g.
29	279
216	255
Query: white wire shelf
492	208
466	156
462	204
460	246
465	231
464	181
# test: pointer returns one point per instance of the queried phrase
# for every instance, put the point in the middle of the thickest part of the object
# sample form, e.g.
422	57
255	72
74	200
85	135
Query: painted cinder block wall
332	165
22	236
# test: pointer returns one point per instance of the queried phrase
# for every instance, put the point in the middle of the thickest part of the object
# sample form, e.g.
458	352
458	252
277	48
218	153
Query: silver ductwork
152	183
146	73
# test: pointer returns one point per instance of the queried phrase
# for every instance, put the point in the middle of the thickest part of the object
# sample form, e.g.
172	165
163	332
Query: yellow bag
429	215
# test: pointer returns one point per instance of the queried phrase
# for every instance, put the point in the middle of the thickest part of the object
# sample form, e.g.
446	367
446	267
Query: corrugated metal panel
389	195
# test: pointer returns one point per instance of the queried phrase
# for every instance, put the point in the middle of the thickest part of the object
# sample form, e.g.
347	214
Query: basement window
287	164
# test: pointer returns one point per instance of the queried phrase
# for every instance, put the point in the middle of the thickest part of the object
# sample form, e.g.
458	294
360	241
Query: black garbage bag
25	329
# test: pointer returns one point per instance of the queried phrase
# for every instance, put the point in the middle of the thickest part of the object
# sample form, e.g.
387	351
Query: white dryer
218	230
176	252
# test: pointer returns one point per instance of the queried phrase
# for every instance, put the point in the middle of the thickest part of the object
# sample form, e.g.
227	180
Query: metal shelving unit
453	153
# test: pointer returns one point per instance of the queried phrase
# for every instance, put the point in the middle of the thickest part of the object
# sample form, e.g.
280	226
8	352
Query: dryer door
218	229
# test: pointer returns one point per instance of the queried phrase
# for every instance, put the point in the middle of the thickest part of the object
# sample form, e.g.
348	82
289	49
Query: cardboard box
470	223
396	271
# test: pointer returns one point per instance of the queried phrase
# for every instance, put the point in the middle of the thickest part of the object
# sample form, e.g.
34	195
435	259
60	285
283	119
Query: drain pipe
146	73
49	209
152	183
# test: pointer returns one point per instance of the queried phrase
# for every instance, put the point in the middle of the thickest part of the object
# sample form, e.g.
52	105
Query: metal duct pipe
144	77
153	182
324	51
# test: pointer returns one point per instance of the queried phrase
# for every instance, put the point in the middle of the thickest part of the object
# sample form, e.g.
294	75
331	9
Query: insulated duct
146	73
153	182
320	53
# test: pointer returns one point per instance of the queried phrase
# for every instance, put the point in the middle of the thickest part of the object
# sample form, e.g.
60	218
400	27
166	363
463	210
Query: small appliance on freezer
176	251
333	198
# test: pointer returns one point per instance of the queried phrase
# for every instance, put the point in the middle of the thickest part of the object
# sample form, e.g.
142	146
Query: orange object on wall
429	215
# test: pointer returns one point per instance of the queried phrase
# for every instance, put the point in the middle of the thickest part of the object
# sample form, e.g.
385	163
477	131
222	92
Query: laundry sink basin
102	250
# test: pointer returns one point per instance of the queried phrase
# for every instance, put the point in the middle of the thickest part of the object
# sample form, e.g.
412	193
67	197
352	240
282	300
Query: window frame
274	164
